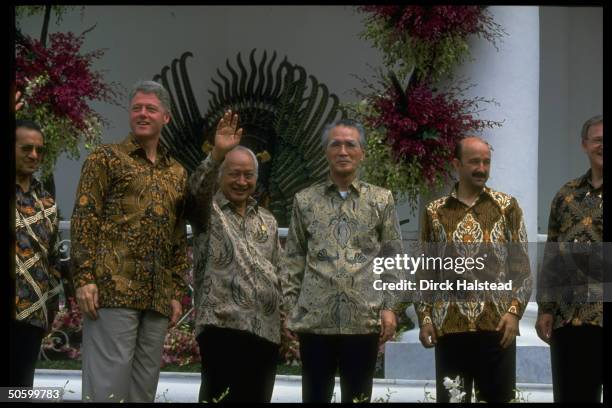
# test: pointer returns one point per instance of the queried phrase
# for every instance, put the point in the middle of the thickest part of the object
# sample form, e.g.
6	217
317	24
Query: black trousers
353	355
25	341
237	361
576	354
479	360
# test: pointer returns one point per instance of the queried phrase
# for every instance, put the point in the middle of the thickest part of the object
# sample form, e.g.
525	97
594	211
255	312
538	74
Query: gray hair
152	87
595	120
347	123
240	149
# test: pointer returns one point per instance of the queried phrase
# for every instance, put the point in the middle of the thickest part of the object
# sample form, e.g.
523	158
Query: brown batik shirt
576	216
236	260
486	228
328	261
128	229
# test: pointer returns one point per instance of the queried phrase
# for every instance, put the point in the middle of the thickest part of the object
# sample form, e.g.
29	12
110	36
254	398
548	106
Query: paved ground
184	387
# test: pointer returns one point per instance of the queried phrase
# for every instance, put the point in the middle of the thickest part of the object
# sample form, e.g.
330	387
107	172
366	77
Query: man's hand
227	135
544	326
509	323
427	335
284	330
177	310
18	104
388	324
87	299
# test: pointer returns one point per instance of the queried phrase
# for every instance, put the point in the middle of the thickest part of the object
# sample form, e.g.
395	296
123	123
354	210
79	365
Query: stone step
184	387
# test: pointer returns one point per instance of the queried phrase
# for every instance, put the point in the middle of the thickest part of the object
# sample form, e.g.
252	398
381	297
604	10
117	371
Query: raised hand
18	104
227	135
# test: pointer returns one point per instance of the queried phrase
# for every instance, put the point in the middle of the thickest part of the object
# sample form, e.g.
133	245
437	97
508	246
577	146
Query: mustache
480	174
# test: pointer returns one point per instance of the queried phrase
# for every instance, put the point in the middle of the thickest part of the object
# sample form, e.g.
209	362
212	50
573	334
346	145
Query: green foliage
433	61
59	11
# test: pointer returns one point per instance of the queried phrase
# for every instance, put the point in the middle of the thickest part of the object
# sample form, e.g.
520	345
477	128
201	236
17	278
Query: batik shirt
576	216
236	260
328	266
36	256
128	228
491	228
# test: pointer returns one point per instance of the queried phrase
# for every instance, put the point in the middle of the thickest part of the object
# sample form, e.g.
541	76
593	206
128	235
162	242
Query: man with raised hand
129	252
572	326
474	335
338	226
237	288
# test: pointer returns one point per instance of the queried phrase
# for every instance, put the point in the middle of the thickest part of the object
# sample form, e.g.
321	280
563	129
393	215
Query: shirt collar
485	192
354	186
132	146
585	180
223	202
35	185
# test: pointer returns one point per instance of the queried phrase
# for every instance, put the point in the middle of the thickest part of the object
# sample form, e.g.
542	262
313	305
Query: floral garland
432	39
57	84
413	128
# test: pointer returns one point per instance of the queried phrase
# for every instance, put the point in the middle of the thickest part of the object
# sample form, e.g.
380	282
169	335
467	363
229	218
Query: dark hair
28	124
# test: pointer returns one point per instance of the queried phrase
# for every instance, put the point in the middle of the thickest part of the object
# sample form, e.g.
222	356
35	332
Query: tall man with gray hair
129	253
237	287
570	303
338	226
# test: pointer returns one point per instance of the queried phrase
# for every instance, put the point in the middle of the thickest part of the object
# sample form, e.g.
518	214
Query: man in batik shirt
571	321
129	253
474	333
237	288
37	279
338	226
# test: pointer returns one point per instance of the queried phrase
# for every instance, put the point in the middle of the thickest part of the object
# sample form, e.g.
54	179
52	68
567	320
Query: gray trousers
121	354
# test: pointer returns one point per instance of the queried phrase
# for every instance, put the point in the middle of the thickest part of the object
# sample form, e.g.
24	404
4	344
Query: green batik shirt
576	216
128	228
327	269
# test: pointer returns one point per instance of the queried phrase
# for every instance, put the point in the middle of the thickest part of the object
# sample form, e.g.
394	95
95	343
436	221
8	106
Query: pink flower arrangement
70	80
432	23
424	125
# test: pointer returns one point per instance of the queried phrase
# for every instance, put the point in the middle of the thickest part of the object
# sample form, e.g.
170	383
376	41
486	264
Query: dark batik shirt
128	229
576	216
36	256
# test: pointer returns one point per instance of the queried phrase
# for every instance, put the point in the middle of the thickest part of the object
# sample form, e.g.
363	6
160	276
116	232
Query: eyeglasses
28	148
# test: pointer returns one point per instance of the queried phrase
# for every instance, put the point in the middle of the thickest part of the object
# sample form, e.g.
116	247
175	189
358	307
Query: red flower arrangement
424	125
71	82
431	23
58	83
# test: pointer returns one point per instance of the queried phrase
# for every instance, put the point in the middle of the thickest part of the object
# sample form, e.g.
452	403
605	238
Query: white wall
571	91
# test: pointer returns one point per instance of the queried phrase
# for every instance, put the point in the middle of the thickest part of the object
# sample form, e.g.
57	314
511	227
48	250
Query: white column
511	77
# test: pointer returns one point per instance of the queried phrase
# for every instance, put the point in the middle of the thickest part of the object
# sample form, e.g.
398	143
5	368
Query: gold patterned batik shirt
576	217
128	227
328	266
493	229
236	260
